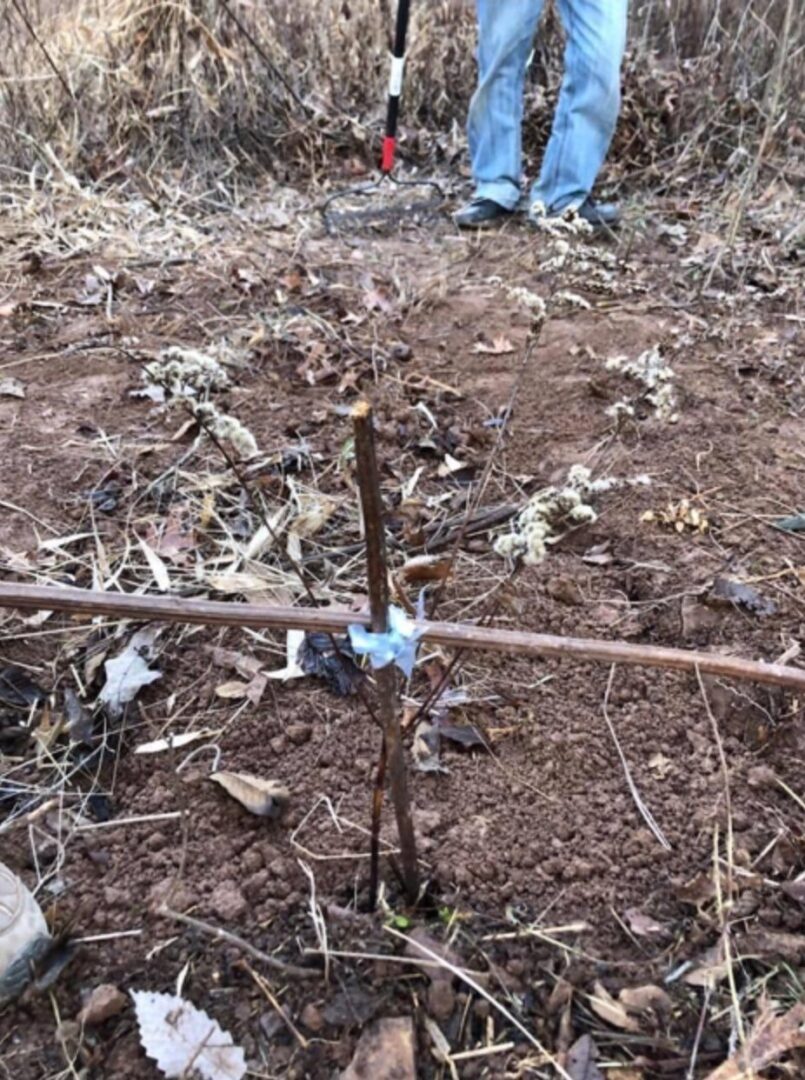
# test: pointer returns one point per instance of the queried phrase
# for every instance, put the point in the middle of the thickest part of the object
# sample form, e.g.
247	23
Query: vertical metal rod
386	677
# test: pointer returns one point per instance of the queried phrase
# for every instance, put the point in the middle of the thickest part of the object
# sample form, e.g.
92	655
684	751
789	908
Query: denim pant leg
589	102
505	35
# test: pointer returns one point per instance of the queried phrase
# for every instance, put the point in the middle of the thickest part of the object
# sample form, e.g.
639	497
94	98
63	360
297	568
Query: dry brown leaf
265	798
604	1005
313	515
232	691
246	666
426	568
698	891
644	998
710	969
257	687
772	943
771	1037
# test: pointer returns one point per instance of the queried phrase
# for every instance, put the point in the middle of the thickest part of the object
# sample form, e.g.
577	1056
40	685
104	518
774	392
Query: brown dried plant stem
377	574
92	602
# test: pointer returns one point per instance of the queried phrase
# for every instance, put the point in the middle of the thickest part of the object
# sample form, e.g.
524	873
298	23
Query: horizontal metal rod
89	602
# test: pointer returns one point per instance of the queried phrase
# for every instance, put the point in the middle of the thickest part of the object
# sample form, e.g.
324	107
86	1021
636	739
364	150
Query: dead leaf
156	565
771	1037
645	998
265	798
175	742
11	388
314	514
232	691
710	969
775	944
128	672
604	1005
173	541
698	891
500	347
452	467
182	1039
643	925
581	1060
725	590
426	568
598	555
256	688
245	665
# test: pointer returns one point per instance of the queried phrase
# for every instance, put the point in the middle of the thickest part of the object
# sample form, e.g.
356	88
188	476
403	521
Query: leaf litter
183	1039
265	798
129	671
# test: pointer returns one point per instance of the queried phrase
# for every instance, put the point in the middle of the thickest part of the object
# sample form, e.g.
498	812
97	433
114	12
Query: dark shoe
600	215
478	213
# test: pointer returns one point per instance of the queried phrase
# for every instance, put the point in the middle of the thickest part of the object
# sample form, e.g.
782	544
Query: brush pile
105	88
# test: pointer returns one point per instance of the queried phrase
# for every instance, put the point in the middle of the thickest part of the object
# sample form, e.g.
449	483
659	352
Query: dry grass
117	87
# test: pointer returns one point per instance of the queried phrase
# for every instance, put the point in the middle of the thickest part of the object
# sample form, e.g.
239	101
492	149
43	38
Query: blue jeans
586	113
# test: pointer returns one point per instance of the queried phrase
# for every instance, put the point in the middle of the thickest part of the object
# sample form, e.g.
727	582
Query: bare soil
543	874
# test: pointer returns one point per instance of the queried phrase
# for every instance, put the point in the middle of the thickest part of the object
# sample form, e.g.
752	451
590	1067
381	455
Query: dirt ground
545	880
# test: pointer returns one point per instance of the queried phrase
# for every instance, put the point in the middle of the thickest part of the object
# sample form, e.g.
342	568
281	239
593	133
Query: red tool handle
395	86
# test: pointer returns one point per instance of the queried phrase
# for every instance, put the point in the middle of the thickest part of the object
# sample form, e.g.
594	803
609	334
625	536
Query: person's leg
588	105
505	35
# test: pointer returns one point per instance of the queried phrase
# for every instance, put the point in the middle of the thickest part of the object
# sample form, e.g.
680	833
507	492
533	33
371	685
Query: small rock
697	617
278	744
312	1018
103	1003
385	1051
441	999
228	902
565	590
299	733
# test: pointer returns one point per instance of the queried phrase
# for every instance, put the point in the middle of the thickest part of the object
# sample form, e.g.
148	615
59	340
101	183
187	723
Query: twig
275	1005
453	635
51	62
386	677
220	934
170	815
638	801
459	973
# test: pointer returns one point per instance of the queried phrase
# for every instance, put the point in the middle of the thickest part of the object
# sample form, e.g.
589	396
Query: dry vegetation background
101	87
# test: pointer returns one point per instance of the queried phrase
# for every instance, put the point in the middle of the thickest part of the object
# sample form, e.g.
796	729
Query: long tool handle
395	85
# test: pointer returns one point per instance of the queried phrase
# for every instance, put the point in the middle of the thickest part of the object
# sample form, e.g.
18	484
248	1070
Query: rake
378	214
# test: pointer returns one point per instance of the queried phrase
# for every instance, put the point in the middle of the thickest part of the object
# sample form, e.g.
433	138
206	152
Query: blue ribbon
397	646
